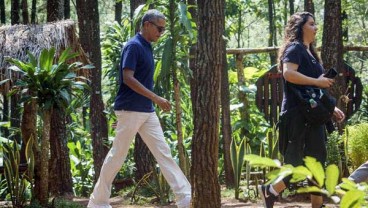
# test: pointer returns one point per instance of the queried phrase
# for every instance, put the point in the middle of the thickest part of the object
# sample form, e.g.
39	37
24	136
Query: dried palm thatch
16	40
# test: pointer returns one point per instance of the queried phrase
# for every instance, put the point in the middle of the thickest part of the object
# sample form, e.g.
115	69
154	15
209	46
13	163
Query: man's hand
162	103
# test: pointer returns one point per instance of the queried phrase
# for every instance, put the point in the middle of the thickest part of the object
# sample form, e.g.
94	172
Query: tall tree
55	10
118	10
89	33
2	11
226	122
204	175
291	6
272	30
25	13
133	5
61	181
66	9
309	6
33	11
14	12
332	55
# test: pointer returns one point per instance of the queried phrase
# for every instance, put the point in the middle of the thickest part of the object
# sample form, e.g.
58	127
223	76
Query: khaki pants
149	128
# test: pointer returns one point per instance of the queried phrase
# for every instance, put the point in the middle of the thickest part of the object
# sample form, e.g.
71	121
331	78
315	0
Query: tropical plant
49	83
237	152
322	181
17	182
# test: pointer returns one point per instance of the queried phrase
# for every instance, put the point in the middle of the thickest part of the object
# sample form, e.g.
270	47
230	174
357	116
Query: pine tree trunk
33	11
55	10
25	13
272	30
61	182
45	157
226	123
15	11
67	9
332	56
2	11
89	33
143	158
209	63
309	6
291	6
118	11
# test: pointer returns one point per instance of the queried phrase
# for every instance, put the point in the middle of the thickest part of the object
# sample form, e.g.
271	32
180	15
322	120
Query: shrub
357	137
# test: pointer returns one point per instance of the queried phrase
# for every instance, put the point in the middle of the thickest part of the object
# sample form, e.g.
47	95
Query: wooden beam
275	49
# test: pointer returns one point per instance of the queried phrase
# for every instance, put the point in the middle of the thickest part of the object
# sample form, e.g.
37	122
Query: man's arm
134	84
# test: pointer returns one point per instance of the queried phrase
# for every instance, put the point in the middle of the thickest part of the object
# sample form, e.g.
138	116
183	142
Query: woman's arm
292	75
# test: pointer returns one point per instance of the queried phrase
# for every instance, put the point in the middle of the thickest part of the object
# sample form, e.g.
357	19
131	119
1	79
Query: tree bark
133	5
2	12
25	13
89	33
143	158
33	11
291	7
67	9
60	180
29	129
272	30
226	123
55	10
15	11
118	11
332	56
204	175
45	158
309	6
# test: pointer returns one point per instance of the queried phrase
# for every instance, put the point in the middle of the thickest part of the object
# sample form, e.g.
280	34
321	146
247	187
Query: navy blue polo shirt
137	56
309	66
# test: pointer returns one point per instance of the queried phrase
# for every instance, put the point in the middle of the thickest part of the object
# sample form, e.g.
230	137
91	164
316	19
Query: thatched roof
16	40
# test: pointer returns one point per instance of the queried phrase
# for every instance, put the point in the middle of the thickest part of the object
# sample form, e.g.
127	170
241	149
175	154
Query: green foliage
17	183
81	167
333	142
357	136
237	153
46	82
322	182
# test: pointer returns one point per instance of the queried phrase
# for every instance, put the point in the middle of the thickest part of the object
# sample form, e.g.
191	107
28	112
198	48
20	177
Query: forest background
187	55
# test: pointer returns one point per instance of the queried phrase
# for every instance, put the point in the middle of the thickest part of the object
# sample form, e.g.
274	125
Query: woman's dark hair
294	33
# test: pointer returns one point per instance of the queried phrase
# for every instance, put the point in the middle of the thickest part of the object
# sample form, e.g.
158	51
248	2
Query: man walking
135	114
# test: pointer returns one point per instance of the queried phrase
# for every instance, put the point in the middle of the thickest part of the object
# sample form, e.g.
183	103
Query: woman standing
301	67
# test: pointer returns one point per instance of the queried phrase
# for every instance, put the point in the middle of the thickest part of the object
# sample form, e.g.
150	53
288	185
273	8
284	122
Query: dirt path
119	202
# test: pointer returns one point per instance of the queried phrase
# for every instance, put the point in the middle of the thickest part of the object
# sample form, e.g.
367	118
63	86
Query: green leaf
310	189
352	199
300	173
332	177
258	161
184	19
316	168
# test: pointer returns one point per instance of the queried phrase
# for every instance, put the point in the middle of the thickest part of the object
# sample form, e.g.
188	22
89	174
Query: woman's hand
338	115
323	82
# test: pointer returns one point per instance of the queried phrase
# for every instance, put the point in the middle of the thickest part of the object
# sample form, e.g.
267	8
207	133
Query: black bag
315	104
